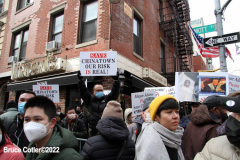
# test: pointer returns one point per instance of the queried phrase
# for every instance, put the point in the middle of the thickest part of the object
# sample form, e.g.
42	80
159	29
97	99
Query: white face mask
58	113
71	116
0	138
35	131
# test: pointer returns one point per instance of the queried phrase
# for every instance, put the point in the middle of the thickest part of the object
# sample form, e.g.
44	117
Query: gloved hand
79	75
115	77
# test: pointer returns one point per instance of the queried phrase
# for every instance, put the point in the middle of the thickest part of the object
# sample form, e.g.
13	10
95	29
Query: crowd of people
34	128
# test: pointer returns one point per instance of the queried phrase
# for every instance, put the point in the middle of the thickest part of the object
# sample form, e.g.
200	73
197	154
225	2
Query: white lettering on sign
212	41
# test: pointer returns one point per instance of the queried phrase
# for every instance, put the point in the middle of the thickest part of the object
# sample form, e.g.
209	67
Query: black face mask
223	116
233	131
77	111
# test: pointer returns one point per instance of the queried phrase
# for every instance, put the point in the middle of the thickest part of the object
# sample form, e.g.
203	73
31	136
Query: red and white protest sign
50	91
98	63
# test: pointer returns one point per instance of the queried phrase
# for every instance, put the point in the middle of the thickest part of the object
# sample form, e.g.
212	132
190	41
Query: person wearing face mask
15	128
203	126
59	115
74	124
226	146
97	101
6	143
161	139
41	130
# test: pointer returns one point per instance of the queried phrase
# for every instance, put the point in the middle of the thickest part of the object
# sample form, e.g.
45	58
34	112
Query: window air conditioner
52	46
12	59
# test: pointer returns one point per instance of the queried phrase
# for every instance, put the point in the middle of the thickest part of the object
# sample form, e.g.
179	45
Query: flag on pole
211	52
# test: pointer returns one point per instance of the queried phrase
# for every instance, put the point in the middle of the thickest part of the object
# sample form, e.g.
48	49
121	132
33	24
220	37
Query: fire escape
174	15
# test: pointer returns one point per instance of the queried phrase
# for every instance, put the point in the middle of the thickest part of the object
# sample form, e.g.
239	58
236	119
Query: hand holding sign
115	77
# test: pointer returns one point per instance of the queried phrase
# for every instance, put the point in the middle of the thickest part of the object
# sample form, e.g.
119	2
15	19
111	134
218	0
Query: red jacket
9	151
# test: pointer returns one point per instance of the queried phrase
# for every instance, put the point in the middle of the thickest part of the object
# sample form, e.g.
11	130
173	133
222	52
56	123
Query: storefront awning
61	80
140	83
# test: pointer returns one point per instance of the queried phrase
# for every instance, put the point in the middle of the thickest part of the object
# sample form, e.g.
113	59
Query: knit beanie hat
156	104
11	104
113	109
212	101
126	113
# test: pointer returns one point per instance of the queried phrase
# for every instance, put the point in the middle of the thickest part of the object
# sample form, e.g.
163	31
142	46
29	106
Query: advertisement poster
50	91
196	86
98	63
138	100
162	90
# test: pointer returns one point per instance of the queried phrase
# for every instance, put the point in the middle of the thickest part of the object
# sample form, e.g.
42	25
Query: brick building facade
148	54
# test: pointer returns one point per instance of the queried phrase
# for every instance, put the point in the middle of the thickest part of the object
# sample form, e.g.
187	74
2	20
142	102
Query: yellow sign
128	10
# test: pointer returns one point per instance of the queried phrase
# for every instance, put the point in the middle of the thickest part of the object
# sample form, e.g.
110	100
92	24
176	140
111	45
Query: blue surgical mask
99	94
21	107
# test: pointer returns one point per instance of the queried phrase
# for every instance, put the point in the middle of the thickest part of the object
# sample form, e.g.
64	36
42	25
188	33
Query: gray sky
205	9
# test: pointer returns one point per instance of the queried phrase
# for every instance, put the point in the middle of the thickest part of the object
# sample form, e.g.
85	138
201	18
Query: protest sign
234	83
162	90
138	101
196	86
50	91
98	63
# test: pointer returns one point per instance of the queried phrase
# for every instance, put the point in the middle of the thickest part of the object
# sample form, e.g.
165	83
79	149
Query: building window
57	25
160	10
20	44
88	29
162	57
23	3
1	5
137	35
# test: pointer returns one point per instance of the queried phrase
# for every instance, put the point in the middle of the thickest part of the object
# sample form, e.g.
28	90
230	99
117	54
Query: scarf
171	139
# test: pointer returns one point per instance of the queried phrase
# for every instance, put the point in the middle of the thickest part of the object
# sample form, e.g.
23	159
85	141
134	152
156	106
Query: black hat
231	104
11	104
146	103
212	101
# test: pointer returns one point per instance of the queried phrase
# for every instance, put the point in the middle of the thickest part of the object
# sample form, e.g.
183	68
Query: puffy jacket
79	130
113	131
95	105
201	129
184	121
62	139
219	149
9	115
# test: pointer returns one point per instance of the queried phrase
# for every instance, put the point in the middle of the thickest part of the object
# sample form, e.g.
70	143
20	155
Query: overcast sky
205	9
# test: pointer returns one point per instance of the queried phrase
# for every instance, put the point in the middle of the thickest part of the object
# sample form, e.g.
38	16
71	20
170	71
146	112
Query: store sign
128	10
40	66
50	91
154	77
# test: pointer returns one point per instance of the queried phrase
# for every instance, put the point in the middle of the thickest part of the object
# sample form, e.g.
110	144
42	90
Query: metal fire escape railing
174	15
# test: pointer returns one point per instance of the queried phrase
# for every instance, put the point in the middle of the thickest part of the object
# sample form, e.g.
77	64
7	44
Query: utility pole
219	28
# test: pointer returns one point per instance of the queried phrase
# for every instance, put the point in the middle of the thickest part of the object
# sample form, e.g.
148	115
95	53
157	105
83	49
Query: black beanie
11	104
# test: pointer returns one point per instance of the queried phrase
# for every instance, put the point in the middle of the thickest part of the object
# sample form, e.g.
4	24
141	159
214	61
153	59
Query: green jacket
62	138
9	116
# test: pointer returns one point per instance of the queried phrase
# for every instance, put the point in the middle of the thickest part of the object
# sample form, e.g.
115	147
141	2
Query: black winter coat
94	105
106	146
79	130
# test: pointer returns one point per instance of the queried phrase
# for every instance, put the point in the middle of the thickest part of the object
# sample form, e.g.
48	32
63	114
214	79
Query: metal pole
219	28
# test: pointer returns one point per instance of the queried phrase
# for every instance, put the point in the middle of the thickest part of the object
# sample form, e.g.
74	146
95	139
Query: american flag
211	52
